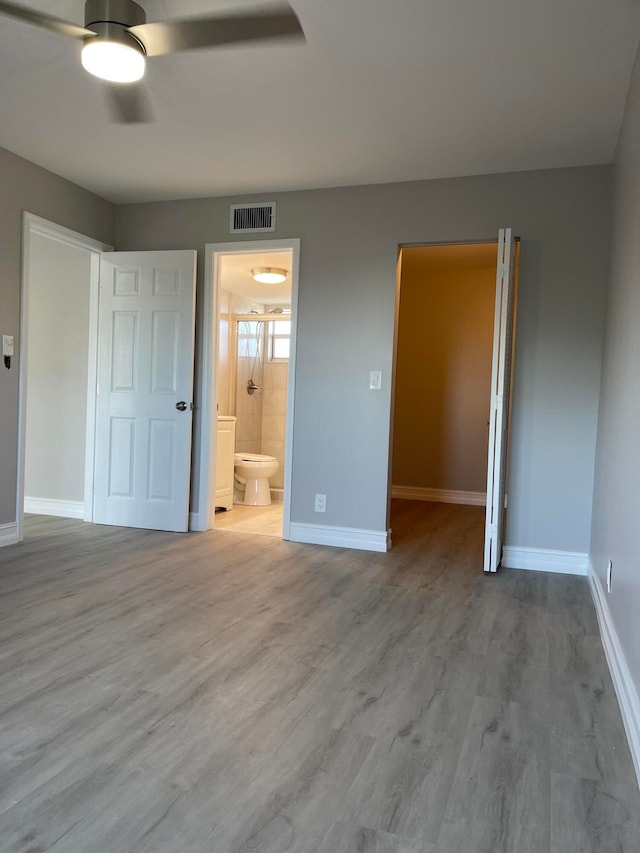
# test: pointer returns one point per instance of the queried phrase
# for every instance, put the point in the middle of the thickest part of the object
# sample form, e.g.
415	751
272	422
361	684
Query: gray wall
25	186
616	516
57	358
349	241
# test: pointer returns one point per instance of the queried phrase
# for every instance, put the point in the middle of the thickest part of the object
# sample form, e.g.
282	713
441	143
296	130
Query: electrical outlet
609	572
321	503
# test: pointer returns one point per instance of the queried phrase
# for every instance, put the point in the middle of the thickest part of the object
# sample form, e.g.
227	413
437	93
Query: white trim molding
50	506
543	560
620	674
46	228
442	496
340	537
9	534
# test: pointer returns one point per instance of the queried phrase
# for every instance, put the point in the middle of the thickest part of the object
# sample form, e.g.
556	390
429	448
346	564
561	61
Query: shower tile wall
274	413
248	406
261	417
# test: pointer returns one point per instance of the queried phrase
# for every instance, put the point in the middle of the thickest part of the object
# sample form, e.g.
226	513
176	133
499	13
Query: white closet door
145	386
500	388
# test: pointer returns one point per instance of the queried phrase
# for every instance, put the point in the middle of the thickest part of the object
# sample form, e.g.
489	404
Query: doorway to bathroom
453	366
253	313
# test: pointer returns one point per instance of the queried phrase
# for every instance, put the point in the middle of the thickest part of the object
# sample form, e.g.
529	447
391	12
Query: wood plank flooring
221	692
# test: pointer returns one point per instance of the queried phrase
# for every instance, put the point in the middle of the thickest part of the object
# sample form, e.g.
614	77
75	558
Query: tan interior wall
445	340
224	340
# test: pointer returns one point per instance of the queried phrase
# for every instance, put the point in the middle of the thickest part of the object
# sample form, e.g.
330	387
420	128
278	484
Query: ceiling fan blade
160	37
40	20
128	104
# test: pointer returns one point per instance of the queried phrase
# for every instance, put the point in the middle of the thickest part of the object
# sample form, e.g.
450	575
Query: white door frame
203	519
32	225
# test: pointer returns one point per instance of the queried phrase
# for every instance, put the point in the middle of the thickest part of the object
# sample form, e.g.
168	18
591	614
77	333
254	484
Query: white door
500	387
145	385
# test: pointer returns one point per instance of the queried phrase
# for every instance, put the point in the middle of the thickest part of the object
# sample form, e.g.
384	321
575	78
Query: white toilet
252	471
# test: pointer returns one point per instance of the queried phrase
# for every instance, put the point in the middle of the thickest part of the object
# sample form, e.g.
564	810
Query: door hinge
497	401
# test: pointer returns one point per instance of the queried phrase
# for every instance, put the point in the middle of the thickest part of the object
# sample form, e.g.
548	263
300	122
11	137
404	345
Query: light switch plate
7	345
375	380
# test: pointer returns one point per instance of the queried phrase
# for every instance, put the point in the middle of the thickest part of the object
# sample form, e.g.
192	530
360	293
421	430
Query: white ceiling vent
247	218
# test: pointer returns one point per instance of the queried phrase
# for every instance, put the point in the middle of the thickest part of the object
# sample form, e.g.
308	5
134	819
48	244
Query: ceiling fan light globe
113	61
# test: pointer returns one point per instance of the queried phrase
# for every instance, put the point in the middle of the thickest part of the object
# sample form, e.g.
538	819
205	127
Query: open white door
145	386
500	387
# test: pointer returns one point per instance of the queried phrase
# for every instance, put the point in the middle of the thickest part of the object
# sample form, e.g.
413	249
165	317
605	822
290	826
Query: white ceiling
235	275
383	90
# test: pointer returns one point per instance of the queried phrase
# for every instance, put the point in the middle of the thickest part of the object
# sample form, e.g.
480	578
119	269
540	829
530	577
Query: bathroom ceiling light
269	275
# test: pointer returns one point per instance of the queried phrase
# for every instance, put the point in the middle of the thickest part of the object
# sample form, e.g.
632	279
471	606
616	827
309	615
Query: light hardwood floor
263	520
214	693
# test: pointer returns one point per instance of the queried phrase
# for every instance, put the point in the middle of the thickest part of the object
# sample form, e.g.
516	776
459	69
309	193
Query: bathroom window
279	340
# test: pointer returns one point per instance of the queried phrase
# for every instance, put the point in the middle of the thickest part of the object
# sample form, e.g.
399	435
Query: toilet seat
253	457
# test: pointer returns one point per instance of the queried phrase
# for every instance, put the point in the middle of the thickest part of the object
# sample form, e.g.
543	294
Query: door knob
181	406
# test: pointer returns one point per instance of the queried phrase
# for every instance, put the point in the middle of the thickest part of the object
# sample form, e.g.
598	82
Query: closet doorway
452	376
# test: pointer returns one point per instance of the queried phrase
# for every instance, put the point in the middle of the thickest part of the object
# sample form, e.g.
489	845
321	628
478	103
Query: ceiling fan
117	41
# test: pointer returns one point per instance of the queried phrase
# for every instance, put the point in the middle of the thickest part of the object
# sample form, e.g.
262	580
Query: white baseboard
277	495
48	506
340	537
443	496
620	674
543	560
9	534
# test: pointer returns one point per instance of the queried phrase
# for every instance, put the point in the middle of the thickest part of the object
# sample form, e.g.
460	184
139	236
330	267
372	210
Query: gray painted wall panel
346	313
25	186
616	527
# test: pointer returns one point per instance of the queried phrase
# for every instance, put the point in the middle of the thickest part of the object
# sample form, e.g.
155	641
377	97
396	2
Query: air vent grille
253	217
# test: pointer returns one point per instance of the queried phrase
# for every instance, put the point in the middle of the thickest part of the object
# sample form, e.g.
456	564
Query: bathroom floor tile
265	520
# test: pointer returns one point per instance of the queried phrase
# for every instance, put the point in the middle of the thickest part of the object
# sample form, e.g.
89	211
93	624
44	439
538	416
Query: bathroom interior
254	329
